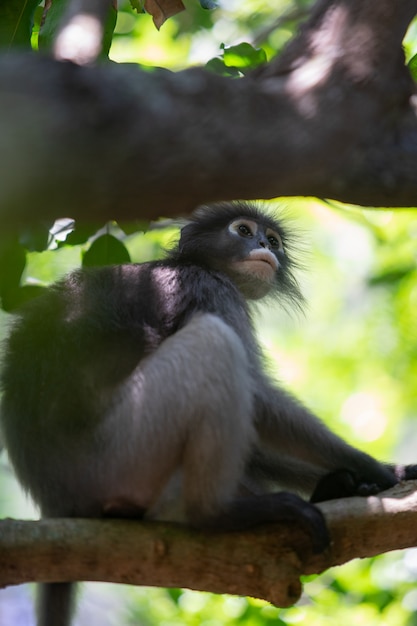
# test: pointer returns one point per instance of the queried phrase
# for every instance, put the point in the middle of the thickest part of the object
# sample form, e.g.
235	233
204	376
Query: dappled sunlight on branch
80	40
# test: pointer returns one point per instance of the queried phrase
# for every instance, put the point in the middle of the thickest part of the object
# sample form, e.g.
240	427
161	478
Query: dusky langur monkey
139	391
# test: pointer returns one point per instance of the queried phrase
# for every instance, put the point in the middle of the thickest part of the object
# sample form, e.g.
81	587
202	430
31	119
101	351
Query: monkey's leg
179	432
184	417
222	432
215	384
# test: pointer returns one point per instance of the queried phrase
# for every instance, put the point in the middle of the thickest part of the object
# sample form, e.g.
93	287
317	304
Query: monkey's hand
343	484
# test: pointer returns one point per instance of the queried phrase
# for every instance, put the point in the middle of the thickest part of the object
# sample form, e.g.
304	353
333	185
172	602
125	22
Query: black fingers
345	483
409	472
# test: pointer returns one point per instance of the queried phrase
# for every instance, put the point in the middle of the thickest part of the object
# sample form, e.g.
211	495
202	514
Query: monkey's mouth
260	265
264	256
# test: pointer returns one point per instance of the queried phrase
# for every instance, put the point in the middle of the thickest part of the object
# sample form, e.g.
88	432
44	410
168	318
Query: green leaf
138	5
217	66
243	56
412	66
12	264
82	232
15	298
16	22
106	250
36	238
138	226
109	27
237	60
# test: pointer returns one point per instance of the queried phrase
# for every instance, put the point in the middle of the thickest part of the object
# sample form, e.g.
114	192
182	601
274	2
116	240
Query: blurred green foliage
17	20
352	358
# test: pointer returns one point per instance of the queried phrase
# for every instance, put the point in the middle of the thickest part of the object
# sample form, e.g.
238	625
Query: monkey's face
249	246
254	249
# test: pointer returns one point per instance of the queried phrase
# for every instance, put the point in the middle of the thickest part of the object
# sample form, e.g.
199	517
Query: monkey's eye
273	242
244	230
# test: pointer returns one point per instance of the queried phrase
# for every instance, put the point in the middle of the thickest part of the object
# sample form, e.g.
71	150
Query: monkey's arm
298	450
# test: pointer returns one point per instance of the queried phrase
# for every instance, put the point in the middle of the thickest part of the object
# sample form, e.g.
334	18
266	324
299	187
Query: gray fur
139	390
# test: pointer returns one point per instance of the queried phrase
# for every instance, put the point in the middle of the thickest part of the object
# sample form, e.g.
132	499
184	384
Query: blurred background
351	357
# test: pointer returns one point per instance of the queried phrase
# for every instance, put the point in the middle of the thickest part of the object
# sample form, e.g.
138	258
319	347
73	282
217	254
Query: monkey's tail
55	604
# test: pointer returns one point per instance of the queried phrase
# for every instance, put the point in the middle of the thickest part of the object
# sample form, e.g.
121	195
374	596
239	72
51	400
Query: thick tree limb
265	563
80	35
334	117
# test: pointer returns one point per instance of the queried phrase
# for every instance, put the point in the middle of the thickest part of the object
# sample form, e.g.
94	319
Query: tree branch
334	117
80	34
354	35
266	562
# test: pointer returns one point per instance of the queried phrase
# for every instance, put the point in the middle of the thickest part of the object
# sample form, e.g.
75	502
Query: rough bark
266	562
334	116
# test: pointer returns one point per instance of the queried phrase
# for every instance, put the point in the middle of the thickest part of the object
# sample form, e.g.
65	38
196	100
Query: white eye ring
244	230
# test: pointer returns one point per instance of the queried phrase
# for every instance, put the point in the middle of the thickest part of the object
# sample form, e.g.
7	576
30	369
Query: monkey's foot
275	507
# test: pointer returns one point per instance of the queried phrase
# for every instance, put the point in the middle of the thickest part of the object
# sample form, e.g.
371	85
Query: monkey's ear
185	242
